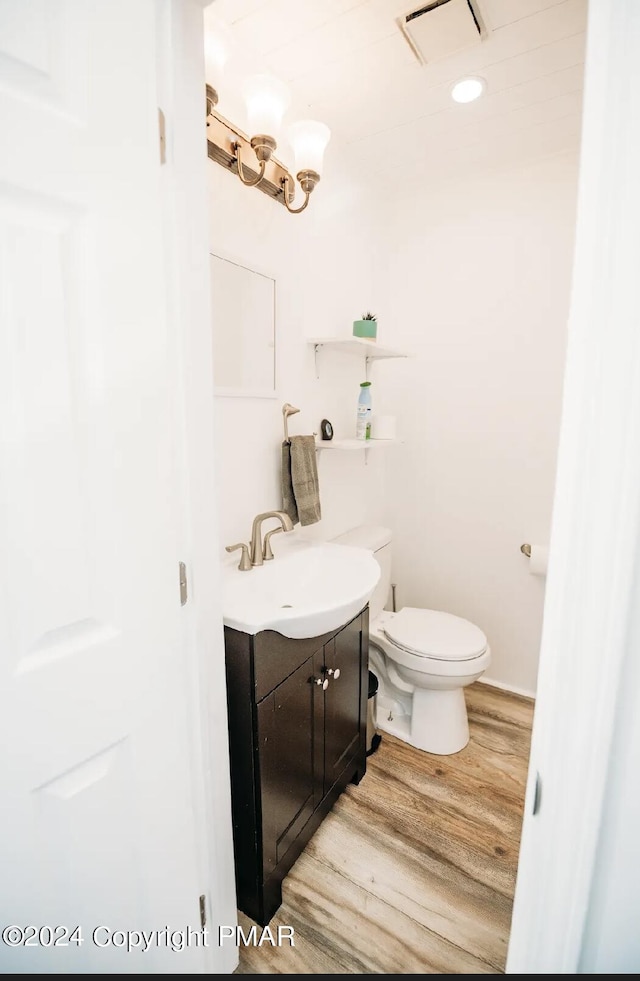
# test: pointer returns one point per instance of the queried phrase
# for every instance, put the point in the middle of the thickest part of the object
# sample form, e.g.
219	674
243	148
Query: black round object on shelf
326	429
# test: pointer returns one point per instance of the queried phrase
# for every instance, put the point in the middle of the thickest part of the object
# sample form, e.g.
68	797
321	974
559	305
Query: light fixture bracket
212	99
263	147
307	180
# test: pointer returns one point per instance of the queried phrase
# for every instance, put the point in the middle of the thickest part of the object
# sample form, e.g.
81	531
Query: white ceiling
348	64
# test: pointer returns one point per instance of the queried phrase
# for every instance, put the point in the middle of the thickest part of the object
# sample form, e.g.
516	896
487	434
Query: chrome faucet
256	547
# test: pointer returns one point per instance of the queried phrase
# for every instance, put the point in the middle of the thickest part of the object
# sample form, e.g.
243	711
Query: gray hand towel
288	497
300	489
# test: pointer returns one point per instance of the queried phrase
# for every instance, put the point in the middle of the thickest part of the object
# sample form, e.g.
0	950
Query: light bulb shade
309	140
267	99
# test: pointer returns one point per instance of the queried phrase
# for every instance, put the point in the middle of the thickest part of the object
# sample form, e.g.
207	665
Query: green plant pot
365	328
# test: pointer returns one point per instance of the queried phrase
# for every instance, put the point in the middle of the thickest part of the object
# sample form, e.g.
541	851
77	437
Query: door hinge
183	583
203	911
163	136
537	795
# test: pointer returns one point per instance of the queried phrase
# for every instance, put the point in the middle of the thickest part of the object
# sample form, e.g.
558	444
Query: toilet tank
378	540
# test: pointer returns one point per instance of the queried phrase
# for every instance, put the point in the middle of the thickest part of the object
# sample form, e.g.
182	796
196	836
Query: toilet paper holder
538	556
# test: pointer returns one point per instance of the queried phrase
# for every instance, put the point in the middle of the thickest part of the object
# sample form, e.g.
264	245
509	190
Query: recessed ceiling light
468	89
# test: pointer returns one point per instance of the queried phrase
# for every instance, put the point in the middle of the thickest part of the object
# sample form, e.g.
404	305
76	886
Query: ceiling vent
441	28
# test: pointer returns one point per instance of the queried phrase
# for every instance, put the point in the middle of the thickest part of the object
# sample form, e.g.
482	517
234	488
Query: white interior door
578	888
97	824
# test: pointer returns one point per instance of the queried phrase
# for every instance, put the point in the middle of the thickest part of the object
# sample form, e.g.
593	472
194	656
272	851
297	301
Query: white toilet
423	660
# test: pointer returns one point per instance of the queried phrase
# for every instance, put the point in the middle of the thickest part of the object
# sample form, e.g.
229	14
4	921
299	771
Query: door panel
342	700
99	823
288	778
41	57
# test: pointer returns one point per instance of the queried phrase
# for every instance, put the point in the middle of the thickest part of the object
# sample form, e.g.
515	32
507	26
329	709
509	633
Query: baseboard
512	688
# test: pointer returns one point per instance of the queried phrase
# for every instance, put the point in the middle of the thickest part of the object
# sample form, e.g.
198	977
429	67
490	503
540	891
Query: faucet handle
267	552
245	561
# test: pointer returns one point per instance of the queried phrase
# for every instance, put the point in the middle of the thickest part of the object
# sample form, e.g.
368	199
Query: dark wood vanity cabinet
297	735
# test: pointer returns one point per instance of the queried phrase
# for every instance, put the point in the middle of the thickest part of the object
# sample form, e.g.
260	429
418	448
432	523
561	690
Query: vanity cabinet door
289	738
344	669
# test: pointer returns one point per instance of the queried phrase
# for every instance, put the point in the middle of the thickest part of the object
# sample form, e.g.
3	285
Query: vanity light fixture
468	89
267	99
309	141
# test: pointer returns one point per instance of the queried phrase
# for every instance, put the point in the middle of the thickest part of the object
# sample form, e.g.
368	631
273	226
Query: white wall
478	289
474	281
325	278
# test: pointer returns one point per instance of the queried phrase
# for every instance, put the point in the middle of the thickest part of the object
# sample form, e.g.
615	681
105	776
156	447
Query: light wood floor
413	871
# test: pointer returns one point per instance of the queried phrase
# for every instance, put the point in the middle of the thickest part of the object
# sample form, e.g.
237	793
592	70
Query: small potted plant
367	327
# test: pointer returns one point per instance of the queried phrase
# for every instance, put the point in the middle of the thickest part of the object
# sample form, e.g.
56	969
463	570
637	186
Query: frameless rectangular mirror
243	303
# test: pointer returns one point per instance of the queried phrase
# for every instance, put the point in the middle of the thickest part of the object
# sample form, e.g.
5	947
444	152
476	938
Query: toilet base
438	721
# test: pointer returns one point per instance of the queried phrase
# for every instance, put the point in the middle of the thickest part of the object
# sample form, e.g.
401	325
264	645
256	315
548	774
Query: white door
97	824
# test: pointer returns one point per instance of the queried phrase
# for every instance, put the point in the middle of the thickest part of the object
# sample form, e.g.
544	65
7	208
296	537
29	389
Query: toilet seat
435	635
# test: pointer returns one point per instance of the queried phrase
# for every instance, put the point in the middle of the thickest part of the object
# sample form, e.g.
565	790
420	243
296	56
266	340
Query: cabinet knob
325	683
336	673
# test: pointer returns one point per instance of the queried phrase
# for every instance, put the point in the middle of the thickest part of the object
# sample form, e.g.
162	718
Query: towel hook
287	410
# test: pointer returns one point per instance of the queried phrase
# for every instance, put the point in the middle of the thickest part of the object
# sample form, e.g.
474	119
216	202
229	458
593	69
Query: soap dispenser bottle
363	424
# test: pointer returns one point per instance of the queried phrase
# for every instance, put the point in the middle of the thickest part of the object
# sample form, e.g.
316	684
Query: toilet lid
430	633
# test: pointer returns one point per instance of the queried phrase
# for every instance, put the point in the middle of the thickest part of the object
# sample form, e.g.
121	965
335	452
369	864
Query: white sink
306	590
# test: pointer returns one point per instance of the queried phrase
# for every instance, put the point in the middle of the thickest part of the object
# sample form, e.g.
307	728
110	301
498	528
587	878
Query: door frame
592	574
186	214
590	618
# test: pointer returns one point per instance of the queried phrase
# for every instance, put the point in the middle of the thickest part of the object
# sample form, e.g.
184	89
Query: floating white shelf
371	350
354	444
